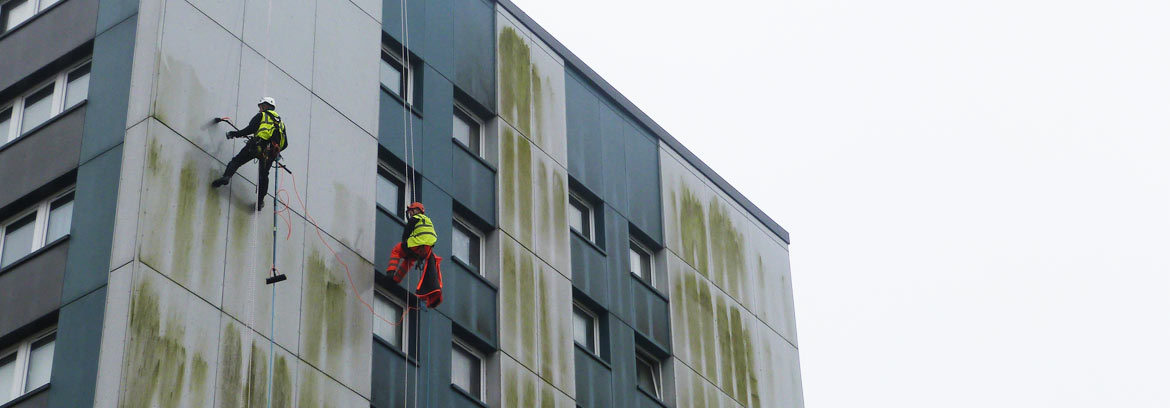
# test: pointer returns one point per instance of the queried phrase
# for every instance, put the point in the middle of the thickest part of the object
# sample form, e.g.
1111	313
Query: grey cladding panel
651	314
434	155
392	125
613	157
32	289
645	208
594	382
618	255
586	163
52	150
475	51
94	202
473	184
392	16
109	91
112	12
388	386
589	266
438	50
75	363
41	41
39	400
386	235
469	301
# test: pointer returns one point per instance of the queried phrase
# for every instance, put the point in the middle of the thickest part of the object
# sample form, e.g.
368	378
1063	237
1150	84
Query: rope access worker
270	139
418	241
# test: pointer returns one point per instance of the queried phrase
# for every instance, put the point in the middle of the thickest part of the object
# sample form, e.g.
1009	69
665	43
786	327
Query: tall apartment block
589	259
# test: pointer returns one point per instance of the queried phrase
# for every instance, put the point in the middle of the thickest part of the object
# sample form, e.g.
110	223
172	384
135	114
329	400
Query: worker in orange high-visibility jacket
418	242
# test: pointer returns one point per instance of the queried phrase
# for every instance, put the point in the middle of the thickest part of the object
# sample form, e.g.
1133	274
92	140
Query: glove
229	134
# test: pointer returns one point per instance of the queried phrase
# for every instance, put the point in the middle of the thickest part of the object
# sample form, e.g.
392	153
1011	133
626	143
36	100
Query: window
26	366
467	369
467	244
16	12
467	130
32	229
585	328
45	101
581	216
391	310
396	76
392	190
641	262
649	374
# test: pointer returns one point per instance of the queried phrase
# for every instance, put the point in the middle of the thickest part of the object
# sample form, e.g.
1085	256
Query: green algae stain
560	206
511	389
308	394
547	399
538	107
516	79
727	249
199	368
230	363
723	331
325	312
156	366
524	184
691	215
154	156
547	335
183	235
528	326
508	175
544	217
212	212
282	383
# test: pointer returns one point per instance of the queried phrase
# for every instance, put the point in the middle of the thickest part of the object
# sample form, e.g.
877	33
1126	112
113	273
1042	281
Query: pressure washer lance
274	275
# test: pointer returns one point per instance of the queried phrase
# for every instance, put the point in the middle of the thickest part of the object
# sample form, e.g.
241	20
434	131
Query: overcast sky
978	191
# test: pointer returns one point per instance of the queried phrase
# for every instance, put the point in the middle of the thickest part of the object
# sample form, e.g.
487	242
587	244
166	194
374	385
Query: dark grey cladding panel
392	125
433	157
387	232
389	376
435	353
42	40
469	301
38	400
641	117
618	260
622	361
109	91
75	363
589	266
582	115
52	151
613	157
112	12
392	14
438	49
642	175
651	313
31	289
475	65
594	381
94	203
473	184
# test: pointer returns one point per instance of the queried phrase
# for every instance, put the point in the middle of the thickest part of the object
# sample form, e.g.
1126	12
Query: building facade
589	258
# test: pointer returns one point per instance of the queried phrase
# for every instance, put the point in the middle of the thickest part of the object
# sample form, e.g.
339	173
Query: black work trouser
249	152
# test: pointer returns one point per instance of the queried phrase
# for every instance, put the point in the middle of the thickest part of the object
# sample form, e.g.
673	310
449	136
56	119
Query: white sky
978	191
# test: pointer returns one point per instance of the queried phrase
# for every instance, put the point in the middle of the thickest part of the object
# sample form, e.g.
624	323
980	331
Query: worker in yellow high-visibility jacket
270	139
418	242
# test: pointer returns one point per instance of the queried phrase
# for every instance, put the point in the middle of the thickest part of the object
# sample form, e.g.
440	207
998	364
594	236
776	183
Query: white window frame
407	72
589	216
40	224
655	371
478	394
56	103
478	234
405	324
459	108
23	351
596	328
38	7
404	189
649	274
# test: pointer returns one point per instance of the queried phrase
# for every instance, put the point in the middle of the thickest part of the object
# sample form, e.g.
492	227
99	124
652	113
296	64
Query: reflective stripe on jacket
423	233
270	123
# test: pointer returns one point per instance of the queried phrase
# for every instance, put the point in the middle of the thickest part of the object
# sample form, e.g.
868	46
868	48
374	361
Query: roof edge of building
646	121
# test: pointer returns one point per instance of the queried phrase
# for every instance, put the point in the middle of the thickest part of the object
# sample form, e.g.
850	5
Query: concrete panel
340	192
535	320
32	289
345	61
694	391
229	14
184	219
143	75
75	360
281	35
774	283
171	346
293	101
88	263
198	77
242	379
336	322
52	151
249	257
531	87
371	7
475	51
125	237
317	390
114	329
534	200
779	370
41	41
522	388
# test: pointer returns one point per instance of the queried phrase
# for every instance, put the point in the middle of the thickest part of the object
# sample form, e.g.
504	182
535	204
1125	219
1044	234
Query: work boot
260	205
219	182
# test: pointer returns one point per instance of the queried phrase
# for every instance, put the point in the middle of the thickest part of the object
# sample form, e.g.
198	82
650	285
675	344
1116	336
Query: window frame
596	320
480	237
405	324
403	190
589	220
406	71
461	110
58	82
40	224
636	246
642	357
23	352
477	394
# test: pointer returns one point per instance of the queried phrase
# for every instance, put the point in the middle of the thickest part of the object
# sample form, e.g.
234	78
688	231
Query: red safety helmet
416	206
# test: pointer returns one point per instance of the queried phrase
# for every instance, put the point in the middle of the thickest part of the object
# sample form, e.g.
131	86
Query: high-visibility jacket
270	124
423	232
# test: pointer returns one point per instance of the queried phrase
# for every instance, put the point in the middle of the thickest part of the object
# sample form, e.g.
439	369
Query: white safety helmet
268	100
